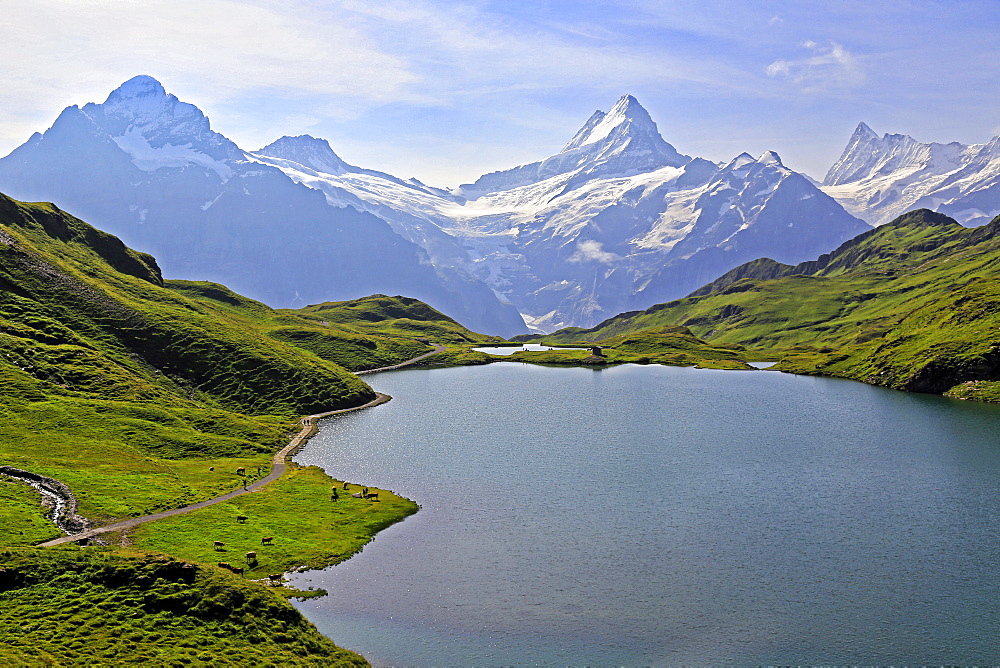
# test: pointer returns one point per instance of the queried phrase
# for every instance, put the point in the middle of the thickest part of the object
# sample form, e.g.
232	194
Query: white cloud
830	67
221	48
594	251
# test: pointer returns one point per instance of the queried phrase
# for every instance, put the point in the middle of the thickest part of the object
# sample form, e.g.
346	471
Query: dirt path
437	349
278	465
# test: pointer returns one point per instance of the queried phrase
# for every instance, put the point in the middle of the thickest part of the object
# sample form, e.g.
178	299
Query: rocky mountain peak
306	150
141	116
626	129
141	86
770	158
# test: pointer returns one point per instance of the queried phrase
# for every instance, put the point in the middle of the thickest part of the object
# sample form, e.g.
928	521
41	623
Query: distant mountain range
148	168
880	178
616	221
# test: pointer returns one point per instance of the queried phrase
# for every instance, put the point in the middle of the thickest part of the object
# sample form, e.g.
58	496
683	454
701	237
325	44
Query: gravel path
278	465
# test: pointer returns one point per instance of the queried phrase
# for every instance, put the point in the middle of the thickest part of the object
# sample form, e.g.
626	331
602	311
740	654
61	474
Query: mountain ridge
149	169
879	178
586	233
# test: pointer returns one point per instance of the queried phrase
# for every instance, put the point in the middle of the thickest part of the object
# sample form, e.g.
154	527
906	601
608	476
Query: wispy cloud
592	251
830	66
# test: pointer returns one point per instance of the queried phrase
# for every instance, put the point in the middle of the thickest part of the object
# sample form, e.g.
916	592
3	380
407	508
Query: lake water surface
655	515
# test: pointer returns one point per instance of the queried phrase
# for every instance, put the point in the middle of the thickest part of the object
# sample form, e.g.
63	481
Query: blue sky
446	90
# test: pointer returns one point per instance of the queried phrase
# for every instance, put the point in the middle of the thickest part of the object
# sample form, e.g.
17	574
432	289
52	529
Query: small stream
61	499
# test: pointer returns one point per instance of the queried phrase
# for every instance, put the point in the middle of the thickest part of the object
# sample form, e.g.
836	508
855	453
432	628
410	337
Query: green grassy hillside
141	395
393	316
129	391
912	305
358	334
96	608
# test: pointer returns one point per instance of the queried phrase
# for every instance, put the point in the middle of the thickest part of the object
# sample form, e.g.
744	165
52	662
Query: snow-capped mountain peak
770	158
878	178
867	153
622	141
739	162
628	130
141	103
626	118
308	151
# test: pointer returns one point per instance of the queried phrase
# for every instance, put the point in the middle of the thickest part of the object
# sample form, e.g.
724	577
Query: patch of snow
149	159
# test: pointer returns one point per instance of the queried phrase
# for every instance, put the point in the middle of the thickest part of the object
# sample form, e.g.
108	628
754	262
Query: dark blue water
658	515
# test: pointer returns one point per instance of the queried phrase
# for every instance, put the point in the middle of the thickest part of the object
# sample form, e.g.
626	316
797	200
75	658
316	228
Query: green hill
141	395
129	391
912	305
392	316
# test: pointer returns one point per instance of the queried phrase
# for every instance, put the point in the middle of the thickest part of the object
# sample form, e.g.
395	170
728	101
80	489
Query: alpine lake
651	515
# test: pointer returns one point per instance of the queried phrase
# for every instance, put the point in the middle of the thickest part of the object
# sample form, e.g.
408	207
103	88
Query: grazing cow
267	541
335	495
242	518
241	470
219	545
345	484
225	564
373	496
238	570
275	578
251	557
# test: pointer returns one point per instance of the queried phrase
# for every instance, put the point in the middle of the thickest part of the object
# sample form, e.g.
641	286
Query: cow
218	545
225	564
251	557
238	570
373	496
267	541
275	578
242	519
241	470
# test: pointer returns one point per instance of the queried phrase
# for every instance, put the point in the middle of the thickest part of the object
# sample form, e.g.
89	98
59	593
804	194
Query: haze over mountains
618	220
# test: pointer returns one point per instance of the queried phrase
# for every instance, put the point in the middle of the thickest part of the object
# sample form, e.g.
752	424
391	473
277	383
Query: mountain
623	140
148	168
913	304
879	178
618	219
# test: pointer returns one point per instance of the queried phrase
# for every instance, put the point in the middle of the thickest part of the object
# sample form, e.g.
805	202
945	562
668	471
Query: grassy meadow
98	607
309	529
